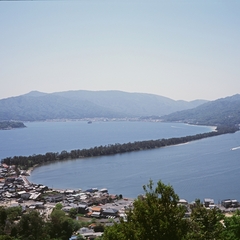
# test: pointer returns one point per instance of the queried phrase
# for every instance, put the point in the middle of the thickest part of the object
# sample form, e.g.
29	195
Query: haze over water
199	169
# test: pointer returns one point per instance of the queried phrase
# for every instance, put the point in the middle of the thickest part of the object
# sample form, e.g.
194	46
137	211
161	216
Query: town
16	190
98	204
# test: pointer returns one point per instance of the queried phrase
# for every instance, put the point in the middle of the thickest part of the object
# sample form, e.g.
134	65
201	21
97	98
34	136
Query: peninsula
26	162
8	125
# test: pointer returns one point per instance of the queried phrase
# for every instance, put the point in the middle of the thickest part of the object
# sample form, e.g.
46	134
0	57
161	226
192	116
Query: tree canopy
10	125
157	215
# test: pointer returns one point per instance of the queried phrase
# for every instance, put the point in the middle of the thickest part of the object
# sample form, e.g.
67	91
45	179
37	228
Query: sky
183	50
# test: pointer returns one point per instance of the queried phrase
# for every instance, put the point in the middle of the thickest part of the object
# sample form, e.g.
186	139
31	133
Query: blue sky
178	49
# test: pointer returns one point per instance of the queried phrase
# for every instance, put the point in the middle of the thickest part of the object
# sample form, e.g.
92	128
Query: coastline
182	142
29	171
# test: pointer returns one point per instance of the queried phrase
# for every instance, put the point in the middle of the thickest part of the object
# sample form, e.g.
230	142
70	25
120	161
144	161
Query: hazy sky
178	49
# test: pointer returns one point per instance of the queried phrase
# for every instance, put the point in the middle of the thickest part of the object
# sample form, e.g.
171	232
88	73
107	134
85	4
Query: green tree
155	216
205	223
73	213
80	237
61	226
32	227
232	227
13	213
6	237
3	218
57	217
58	206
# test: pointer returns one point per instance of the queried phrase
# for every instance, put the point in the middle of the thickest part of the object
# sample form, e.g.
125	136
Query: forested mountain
36	106
224	111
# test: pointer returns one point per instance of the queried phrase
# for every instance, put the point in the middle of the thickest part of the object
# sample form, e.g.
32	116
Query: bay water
207	168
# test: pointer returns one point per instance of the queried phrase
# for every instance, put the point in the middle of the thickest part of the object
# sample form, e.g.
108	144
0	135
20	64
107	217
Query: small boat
89	122
235	148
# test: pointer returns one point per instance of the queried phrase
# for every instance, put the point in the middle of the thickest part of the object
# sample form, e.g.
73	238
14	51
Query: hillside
36	106
224	111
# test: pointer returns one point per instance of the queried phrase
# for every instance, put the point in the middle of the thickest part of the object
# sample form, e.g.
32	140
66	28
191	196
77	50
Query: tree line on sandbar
26	162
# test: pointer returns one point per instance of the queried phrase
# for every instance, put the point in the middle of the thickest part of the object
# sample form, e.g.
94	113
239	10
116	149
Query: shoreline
209	134
29	171
129	147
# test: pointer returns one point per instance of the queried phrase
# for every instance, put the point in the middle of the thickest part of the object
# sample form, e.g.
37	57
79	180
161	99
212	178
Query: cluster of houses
16	187
225	204
16	190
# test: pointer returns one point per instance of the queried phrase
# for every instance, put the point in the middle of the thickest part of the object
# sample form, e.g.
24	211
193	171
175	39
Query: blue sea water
207	168
42	137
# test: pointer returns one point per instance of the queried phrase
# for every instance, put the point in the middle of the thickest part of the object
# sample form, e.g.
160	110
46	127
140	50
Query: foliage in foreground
155	216
32	226
159	216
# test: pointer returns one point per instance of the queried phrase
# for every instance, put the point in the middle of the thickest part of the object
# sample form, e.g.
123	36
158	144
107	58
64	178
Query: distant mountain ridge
38	106
223	111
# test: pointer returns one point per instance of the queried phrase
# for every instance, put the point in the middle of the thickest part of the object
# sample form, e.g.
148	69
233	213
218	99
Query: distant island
7	125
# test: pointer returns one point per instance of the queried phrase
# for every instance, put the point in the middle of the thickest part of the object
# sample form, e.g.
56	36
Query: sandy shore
29	171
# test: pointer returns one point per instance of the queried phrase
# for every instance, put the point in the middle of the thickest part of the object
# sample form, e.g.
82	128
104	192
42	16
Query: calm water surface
42	137
205	168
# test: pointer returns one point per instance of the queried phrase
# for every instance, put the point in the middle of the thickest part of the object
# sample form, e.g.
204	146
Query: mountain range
223	111
38	106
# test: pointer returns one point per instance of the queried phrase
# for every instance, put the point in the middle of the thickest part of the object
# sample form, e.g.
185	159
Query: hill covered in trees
37	106
224	111
6	125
